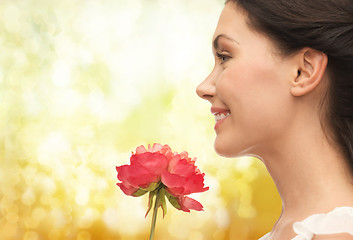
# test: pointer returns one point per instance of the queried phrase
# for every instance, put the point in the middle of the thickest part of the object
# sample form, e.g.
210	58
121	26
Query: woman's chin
227	150
232	149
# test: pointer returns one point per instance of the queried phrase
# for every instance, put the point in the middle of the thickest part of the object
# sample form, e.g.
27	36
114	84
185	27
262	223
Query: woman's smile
220	115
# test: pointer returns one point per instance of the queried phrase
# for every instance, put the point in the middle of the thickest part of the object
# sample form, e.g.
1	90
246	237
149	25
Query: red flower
157	168
144	171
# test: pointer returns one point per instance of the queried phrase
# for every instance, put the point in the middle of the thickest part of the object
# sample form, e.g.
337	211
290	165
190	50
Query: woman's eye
222	57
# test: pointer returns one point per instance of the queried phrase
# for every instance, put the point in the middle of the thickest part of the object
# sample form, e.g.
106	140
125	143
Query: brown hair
324	25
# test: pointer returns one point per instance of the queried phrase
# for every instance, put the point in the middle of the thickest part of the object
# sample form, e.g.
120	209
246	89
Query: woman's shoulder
340	236
337	224
339	221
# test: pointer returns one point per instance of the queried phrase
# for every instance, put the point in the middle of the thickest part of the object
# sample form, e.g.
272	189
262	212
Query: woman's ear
311	67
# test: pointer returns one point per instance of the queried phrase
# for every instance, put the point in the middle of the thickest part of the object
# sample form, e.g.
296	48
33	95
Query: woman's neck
310	174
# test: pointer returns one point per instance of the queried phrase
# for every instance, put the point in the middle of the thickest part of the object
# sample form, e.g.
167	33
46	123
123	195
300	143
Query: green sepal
173	200
139	192
150	202
152	187
162	201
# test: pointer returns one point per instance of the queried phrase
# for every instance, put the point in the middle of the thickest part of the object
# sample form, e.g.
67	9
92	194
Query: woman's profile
282	90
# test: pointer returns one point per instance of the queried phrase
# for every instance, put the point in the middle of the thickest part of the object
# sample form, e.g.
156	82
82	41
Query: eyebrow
216	40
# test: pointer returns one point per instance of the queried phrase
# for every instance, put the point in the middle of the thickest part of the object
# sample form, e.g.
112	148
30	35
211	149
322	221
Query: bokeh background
82	83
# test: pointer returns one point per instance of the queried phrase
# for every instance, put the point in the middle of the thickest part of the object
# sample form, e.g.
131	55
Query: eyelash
224	58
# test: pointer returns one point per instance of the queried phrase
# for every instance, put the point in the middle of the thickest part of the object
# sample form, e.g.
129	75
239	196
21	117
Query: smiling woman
281	89
246	78
81	84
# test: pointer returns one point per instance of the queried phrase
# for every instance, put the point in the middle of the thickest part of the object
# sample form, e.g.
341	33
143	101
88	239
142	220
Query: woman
282	90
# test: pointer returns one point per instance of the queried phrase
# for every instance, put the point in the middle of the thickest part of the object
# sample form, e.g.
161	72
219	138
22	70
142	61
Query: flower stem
154	217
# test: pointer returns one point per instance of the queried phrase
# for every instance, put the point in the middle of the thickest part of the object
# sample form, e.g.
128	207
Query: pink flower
157	168
144	171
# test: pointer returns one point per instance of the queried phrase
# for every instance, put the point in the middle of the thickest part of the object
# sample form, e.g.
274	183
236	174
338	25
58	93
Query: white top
339	220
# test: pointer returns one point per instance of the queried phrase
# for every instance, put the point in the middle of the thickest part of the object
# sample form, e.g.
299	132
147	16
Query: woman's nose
207	89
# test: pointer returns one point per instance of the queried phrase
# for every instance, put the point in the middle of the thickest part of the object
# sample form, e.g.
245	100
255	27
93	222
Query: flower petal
173	162
136	176
177	191
155	148
179	185
183	168
195	184
166	151
155	162
187	203
172	180
141	149
127	189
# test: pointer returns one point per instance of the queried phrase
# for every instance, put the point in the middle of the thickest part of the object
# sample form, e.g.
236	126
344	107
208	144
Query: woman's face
249	87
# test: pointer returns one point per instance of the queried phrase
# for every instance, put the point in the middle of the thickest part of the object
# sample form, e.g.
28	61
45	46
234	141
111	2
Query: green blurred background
82	83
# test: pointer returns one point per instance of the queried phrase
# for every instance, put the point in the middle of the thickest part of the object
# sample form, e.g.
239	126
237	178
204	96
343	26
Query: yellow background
82	83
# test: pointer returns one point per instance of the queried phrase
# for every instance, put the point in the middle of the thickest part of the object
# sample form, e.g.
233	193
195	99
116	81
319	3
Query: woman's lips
220	115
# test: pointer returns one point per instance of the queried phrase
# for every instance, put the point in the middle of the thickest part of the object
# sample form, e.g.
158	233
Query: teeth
220	116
